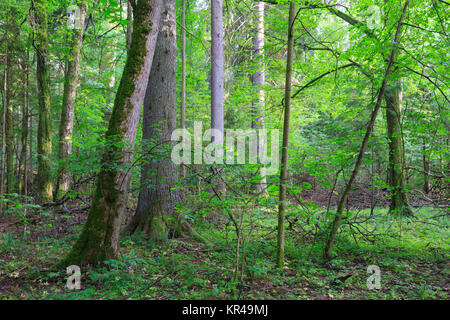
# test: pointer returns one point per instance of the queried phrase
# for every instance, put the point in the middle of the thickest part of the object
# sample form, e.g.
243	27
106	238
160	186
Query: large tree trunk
99	239
399	197
44	141
284	151
258	79
426	169
159	195
217	82
67	112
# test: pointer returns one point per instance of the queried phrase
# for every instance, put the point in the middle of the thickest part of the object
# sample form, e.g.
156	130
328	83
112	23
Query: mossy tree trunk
399	202
155	215
99	238
44	141
67	112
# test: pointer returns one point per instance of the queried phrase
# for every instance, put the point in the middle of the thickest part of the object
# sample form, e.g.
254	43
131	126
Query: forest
224	150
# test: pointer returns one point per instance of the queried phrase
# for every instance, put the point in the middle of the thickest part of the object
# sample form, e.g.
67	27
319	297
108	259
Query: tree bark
67	112
284	152
99	238
399	202
158	193
44	152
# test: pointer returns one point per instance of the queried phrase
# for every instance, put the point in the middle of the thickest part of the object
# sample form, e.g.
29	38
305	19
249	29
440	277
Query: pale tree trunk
217	81
23	154
284	152
334	227
158	193
399	202
67	112
99	239
10	170
258	79
183	80
426	169
44	141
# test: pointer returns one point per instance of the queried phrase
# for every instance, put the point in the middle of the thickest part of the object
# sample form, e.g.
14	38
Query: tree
67	112
258	80
217	81
334	227
158	194
44	141
284	151
399	203
100	235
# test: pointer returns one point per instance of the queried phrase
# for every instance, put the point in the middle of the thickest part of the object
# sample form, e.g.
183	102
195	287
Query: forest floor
413	258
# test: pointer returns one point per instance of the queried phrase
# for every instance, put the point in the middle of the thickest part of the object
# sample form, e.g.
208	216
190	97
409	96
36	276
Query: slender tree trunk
284	152
44	141
426	169
67	112
258	79
183	79
341	205
23	154
217	81
3	166
10	170
130	24
99	239
159	194
399	203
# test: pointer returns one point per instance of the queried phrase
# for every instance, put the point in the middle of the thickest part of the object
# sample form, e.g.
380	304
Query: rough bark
99	238
158	193
284	151
399	202
67	112
44	142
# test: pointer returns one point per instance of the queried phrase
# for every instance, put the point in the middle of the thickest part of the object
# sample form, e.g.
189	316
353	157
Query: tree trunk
284	151
258	79
426	169
183	80
23	154
9	129
99	239
44	141
399	202
67	112
158	193
217	82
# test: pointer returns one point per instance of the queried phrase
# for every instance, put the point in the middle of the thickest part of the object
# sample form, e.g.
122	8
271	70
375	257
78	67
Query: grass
412	255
